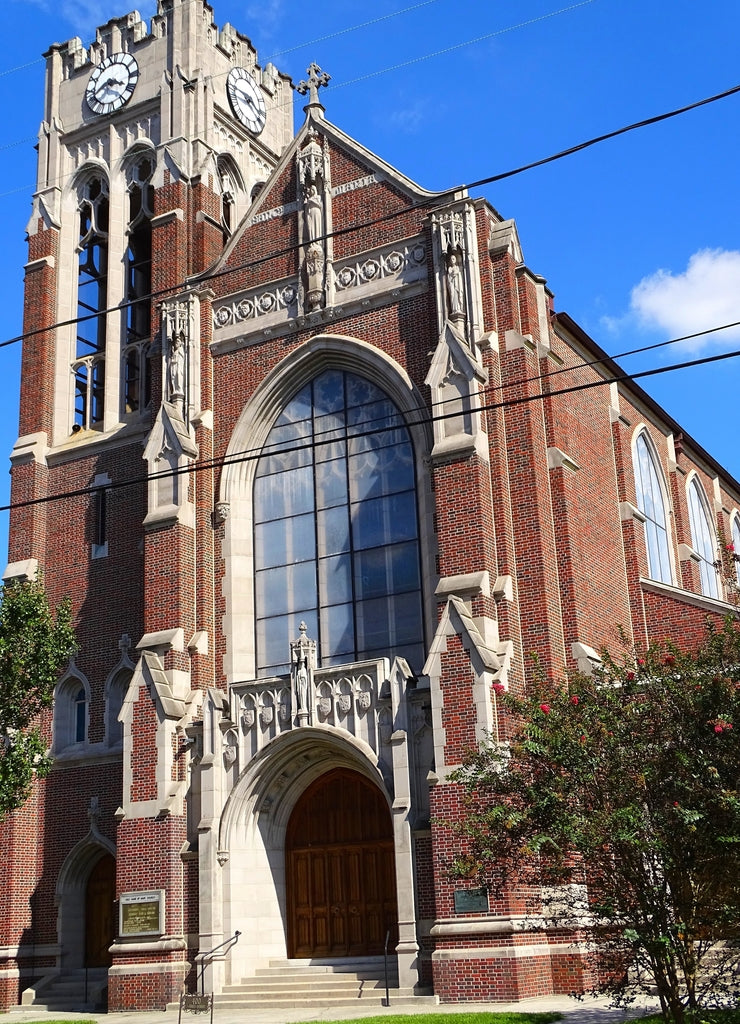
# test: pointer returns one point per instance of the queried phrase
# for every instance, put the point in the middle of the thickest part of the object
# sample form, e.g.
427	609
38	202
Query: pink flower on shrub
630	677
499	688
730	547
718	727
574	699
669	660
641	662
545	709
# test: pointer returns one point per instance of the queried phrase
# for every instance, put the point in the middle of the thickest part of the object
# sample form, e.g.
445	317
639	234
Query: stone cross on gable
316	78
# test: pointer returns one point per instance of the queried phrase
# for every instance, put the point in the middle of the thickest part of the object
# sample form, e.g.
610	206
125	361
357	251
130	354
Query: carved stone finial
316	78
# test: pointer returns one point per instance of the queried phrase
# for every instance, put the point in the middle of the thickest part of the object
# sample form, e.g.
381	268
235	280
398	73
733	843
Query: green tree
627	780
35	645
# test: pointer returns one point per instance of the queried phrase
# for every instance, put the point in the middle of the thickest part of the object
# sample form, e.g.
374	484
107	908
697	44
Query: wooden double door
340	869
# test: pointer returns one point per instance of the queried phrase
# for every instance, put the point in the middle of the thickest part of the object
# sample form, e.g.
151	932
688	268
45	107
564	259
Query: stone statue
302	664
301	684
314	214
455	289
176	366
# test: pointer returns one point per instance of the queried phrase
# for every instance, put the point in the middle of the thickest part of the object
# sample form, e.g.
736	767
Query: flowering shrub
627	780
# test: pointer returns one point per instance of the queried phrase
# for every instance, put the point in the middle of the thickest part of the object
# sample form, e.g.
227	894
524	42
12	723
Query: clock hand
108	85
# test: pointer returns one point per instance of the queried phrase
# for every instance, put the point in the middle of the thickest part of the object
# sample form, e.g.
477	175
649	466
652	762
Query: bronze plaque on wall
141	913
471	901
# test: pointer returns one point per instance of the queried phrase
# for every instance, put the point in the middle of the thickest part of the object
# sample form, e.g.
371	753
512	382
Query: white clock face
246	100
112	83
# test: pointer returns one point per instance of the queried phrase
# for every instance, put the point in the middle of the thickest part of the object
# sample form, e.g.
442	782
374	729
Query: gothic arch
321	353
71	712
252	834
71	892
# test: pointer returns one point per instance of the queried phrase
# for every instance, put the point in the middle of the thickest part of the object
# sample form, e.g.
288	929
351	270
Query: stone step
315	983
309	982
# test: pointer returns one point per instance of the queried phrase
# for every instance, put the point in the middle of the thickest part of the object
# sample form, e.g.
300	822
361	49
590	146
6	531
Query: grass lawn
459	1018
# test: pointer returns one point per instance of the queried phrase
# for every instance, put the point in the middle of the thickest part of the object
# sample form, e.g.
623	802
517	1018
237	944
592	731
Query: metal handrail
207	958
385	964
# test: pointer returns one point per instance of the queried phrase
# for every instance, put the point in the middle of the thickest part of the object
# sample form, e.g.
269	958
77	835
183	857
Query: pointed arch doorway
340	869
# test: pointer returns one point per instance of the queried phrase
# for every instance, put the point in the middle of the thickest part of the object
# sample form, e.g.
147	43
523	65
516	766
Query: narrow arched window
138	326
336	529
703	538
92	295
652	503
115	695
736	544
80	715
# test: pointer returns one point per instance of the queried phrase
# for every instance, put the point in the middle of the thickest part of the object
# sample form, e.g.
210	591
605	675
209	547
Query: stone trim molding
509	952
629	511
557	459
24	570
709	604
687	554
43	261
470	584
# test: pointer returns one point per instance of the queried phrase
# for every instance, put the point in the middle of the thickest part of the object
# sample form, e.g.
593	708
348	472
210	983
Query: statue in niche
302	664
176	366
313	212
455	288
301	682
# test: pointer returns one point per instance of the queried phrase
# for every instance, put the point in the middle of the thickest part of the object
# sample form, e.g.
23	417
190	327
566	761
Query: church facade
318	464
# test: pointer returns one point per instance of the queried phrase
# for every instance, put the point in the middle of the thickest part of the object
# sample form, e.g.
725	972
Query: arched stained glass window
651	502
703	539
336	528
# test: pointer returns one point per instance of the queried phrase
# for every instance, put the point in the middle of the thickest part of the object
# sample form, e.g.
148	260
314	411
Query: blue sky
638	237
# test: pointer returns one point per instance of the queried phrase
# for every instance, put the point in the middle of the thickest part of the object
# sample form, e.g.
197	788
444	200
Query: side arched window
651	502
71	705
336	528
116	691
703	538
736	544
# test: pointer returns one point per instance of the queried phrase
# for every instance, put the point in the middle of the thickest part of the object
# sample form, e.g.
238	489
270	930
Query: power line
433	199
352	28
423	419
461	46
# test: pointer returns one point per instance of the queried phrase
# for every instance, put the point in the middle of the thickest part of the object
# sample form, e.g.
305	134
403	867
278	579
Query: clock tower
155	140
149	136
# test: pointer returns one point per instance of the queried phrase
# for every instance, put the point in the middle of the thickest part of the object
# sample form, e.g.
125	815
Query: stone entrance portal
340	870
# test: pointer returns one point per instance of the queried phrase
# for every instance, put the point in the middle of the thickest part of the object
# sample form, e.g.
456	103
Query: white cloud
705	295
409	119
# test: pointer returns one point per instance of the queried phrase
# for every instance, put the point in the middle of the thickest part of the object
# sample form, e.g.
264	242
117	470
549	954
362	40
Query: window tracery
336	532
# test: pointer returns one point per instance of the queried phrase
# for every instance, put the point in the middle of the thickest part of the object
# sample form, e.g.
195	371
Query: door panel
100	925
340	838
